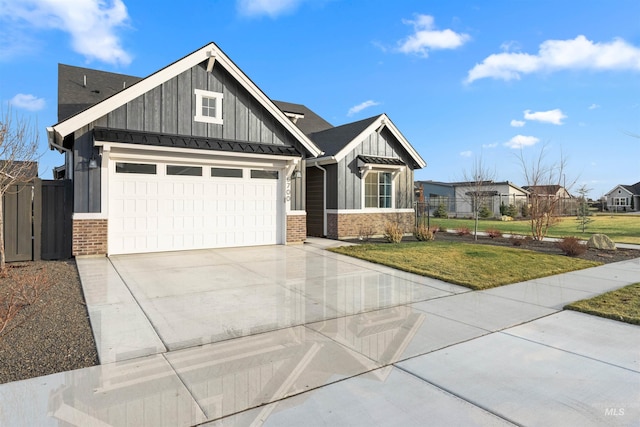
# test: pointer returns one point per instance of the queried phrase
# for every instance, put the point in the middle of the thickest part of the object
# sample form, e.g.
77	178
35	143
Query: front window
378	190
208	107
620	201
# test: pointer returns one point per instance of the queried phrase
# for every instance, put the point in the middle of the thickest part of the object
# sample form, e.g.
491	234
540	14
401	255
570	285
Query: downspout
324	199
52	144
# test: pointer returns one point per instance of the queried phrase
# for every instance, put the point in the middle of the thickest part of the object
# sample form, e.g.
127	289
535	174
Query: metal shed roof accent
180	141
381	160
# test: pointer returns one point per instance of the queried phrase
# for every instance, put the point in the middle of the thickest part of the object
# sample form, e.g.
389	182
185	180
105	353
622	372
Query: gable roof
310	122
331	141
339	141
209	52
634	189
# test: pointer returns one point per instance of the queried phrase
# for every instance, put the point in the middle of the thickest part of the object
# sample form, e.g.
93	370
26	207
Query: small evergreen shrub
484	212
571	246
525	210
511	211
393	232
441	212
493	233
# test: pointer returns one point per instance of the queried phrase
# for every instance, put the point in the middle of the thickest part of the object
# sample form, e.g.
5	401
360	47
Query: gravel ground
53	333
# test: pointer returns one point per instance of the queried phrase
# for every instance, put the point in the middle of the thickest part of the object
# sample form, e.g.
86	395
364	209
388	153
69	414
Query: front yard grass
473	266
622	304
620	228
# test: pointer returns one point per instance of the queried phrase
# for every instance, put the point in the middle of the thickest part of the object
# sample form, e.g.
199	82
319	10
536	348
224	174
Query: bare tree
540	177
18	153
478	190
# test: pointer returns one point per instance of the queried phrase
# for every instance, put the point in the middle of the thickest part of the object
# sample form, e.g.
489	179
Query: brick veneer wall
89	237
296	228
343	226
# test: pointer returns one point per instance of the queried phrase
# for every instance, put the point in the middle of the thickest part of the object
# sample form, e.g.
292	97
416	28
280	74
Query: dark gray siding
170	108
298	189
349	183
332	186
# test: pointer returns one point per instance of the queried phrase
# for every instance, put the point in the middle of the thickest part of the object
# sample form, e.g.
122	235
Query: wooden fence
37	220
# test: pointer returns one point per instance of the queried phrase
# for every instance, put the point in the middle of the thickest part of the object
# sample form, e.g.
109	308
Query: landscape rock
601	241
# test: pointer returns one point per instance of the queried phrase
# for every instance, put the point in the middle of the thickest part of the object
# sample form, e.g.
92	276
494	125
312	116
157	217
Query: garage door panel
149	213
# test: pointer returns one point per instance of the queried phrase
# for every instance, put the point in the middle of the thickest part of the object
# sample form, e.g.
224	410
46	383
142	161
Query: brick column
89	237
296	227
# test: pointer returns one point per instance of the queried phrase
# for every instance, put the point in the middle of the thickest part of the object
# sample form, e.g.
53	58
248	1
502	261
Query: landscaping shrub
484	212
423	233
571	246
365	232
525	210
493	233
393	232
463	231
442	228
518	240
512	211
441	212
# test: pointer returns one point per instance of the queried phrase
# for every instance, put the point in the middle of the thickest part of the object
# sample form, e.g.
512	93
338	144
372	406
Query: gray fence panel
18	227
56	222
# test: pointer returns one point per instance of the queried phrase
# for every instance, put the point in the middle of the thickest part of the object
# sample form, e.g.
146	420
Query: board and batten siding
348	179
170	108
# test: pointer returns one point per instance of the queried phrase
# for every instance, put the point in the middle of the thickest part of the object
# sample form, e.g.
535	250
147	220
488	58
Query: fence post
37	219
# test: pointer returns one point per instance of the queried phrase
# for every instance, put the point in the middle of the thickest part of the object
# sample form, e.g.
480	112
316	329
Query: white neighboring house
624	198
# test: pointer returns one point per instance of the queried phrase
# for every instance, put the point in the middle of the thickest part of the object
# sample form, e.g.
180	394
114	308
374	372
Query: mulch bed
51	332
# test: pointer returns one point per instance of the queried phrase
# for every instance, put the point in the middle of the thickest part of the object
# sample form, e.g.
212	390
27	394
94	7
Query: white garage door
164	207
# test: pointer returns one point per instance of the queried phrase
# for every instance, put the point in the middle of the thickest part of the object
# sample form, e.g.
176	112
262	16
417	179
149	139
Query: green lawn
620	228
471	265
622	304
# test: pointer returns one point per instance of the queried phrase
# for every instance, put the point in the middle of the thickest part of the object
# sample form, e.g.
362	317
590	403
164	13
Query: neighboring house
193	156
197	156
458	200
565	202
624	198
364	179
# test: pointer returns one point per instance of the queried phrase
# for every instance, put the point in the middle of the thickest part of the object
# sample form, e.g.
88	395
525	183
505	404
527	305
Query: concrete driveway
295	335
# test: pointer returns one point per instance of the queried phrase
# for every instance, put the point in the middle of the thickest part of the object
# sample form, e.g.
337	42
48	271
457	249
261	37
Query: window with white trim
378	190
208	107
621	201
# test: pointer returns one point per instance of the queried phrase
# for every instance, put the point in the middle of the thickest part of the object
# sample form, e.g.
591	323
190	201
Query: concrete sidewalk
348	342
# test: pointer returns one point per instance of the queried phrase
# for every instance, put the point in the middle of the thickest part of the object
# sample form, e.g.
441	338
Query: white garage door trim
153	213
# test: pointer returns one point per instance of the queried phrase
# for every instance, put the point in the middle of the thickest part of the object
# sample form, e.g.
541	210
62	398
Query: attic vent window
208	107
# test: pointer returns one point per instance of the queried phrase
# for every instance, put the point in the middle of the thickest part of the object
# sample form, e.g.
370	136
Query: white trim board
91	114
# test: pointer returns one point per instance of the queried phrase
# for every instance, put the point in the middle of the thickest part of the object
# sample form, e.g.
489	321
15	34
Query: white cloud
554	55
271	8
517	123
593	106
552	116
466	153
27	102
426	38
494	145
357	108
521	141
92	24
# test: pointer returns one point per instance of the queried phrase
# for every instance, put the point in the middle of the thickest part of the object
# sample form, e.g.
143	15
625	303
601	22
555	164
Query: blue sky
460	79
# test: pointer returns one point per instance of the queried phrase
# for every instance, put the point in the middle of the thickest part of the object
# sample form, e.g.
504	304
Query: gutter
51	137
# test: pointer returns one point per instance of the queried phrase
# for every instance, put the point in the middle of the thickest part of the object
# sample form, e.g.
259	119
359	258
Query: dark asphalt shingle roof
331	141
634	189
74	96
180	141
310	123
